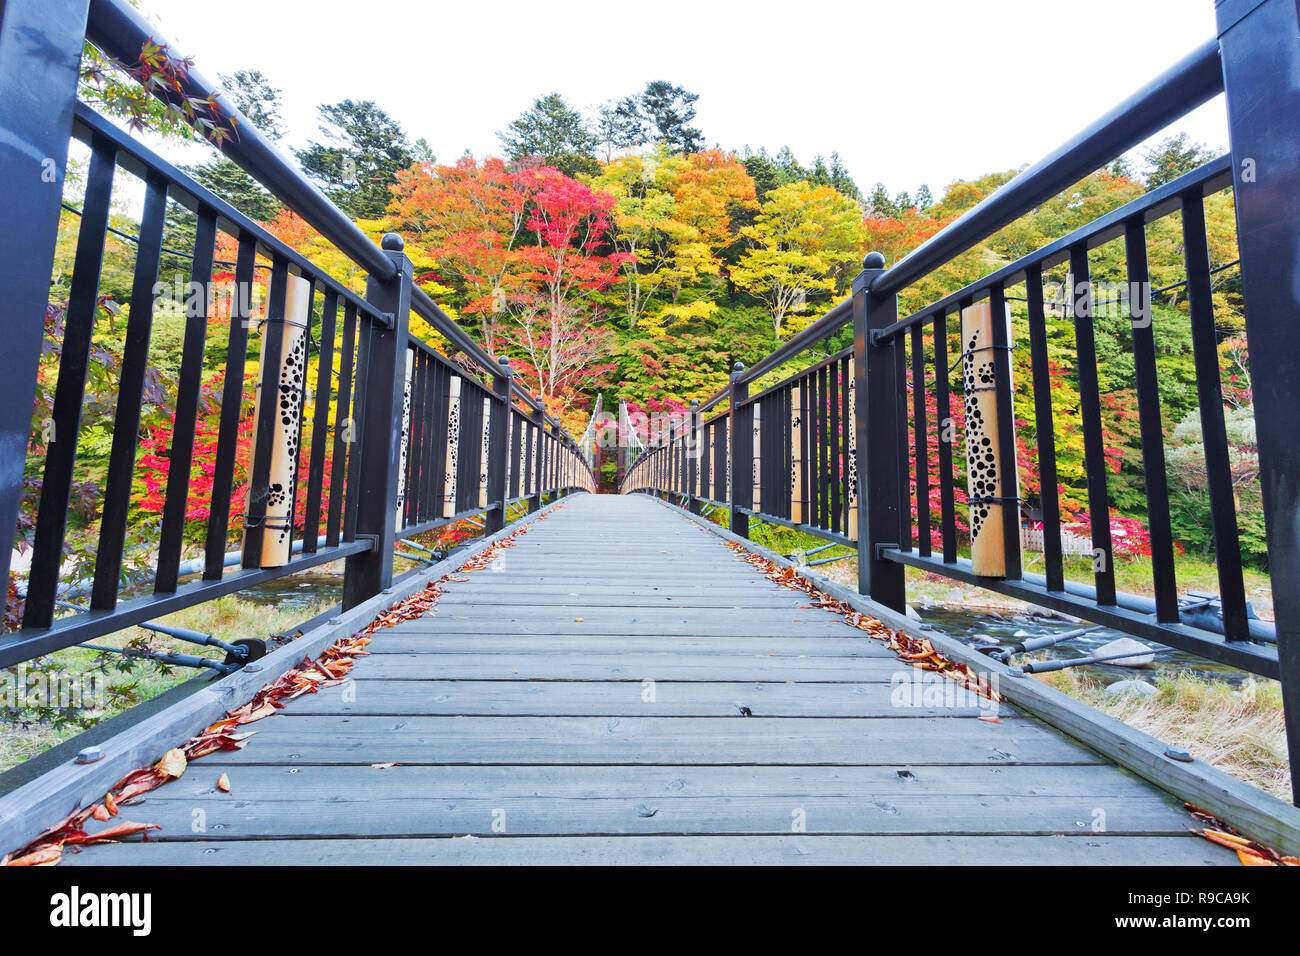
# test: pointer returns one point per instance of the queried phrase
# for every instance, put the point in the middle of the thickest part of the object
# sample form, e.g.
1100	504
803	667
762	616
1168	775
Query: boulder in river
1131	688
1142	656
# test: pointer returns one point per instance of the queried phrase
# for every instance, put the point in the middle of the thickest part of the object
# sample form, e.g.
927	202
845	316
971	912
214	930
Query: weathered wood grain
622	738
290	739
597	850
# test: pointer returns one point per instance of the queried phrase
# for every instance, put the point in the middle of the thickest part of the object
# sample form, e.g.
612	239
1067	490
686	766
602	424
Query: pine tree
366	149
552	133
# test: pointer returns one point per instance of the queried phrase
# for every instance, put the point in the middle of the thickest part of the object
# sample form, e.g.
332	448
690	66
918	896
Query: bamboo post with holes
990	481
275	529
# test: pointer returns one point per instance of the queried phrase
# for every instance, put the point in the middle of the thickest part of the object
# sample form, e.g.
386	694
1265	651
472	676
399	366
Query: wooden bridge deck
520	716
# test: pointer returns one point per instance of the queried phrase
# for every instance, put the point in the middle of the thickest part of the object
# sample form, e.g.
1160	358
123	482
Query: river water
969	627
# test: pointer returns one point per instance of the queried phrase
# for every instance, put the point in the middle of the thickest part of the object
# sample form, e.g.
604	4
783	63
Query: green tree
668	110
364	151
1174	156
552	133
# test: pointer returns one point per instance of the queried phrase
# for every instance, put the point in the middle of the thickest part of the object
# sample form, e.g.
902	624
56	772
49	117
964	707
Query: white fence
1071	543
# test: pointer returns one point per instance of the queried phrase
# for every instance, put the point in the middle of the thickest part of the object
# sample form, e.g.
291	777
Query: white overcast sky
908	91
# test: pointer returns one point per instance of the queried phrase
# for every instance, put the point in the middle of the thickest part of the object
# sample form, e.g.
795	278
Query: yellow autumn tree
805	241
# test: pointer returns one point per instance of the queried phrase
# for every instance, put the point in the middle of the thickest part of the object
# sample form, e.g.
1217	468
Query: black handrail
120	31
803	477
1190	82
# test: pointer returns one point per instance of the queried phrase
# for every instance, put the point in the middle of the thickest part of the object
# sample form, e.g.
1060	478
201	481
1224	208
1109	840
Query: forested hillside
622	252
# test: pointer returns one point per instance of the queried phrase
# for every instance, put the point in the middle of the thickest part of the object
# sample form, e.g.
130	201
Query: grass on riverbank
1239	730
111	684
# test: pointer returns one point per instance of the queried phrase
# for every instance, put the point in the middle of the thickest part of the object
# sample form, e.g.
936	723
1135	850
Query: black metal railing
841	451
387	438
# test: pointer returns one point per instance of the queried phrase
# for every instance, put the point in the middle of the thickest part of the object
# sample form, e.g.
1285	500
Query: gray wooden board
662	666
632	698
291	739
501	701
895	782
228	816
551	596
801	849
405	640
718	622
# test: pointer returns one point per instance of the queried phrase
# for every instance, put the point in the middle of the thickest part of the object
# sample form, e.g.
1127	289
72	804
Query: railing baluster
185	420
846	441
343	427
947	434
1209	392
1152	434
498	463
320	422
1094	451
360	393
130	397
232	399
1045	429
921	438
898	347
65	418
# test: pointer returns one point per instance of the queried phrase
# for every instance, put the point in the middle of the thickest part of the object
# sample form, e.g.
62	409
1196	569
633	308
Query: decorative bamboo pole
453	447
485	454
277	527
851	459
796	453
406	441
989	481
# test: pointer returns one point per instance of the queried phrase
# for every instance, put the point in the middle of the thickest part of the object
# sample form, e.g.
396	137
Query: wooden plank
290	739
380	814
697	622
400	640
801	849
557	596
290	785
634	667
623	698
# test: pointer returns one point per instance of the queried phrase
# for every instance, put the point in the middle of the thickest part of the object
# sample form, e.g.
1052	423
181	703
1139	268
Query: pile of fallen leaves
1248	851
916	651
327	670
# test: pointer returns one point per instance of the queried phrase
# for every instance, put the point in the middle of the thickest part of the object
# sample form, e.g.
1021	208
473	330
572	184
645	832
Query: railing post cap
392	242
873	260
738	367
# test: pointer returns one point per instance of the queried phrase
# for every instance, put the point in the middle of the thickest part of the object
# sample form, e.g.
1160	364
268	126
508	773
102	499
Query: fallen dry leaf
100	813
172	764
45	856
382	766
223	783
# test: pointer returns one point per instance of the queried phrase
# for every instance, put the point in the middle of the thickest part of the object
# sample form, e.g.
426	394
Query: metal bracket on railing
386	320
373	539
884	546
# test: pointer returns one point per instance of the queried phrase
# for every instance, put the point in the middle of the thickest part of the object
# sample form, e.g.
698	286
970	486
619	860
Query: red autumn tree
561	266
